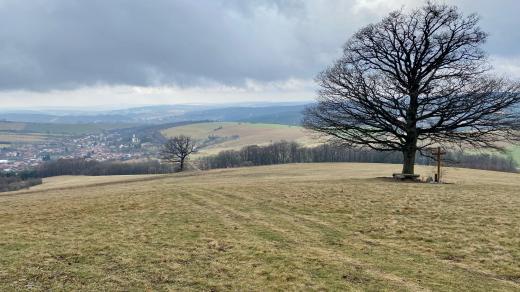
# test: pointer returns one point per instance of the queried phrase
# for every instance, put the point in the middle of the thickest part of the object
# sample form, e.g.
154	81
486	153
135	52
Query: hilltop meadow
220	136
300	227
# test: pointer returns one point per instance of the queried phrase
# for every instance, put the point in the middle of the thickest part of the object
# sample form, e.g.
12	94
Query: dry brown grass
9	126
22	138
6	136
288	227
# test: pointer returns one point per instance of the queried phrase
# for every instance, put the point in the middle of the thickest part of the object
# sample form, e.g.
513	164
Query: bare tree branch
414	80
177	149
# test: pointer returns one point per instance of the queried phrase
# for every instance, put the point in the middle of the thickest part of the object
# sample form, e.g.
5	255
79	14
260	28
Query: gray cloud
65	44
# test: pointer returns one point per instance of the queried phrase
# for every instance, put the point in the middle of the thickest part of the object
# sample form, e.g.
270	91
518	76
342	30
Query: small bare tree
177	149
414	80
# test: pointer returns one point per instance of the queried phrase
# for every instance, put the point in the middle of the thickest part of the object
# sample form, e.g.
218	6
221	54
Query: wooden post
438	155
438	164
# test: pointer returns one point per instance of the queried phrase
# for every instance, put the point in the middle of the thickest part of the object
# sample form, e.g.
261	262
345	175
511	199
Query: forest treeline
80	166
276	153
12	182
292	152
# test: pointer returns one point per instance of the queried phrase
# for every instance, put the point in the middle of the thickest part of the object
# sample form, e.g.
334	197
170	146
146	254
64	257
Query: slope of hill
22	132
285	115
65	118
218	136
288	227
278	113
56	128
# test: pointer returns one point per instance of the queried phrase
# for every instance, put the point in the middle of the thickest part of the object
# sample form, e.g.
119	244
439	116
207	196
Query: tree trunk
181	167
409	160
410	147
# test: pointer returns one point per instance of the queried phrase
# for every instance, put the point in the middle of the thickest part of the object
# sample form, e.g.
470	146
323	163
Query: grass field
249	134
14	132
69	129
287	227
10	126
22	138
75	129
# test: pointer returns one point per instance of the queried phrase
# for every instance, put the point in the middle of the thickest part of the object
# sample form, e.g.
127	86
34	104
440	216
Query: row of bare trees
81	166
292	152
12	182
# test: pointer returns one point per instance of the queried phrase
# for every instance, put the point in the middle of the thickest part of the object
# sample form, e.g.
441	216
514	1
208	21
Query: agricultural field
241	134
6	137
75	129
61	129
300	227
17	132
11	126
11	132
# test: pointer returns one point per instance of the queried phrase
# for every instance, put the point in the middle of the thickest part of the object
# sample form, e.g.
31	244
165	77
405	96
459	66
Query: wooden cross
438	152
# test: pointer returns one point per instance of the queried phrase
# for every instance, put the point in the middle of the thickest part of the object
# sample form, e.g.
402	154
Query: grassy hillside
74	129
19	132
275	114
11	132
288	227
22	137
240	134
48	128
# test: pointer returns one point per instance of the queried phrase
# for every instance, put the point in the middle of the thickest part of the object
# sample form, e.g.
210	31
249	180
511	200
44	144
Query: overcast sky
135	52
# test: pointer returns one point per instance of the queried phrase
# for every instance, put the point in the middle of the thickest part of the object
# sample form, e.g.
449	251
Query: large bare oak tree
177	149
415	80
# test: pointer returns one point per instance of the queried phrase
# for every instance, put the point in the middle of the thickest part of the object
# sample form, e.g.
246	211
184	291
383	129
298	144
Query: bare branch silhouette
413	81
177	149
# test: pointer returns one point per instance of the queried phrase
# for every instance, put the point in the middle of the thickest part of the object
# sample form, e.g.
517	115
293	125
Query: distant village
104	146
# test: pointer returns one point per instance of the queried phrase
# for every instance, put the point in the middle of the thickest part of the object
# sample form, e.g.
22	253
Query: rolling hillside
288	227
53	128
218	136
277	113
21	132
273	114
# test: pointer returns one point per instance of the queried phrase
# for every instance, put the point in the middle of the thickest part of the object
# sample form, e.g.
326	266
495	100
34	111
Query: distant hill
217	136
23	132
64	119
58	128
287	114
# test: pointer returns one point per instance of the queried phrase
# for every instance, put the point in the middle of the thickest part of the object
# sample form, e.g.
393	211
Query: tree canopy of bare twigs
414	80
177	149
